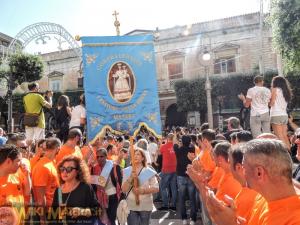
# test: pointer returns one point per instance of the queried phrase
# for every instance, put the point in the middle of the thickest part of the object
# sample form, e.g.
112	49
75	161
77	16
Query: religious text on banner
120	84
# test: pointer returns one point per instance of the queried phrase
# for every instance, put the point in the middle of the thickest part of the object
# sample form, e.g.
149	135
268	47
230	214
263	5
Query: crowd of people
232	177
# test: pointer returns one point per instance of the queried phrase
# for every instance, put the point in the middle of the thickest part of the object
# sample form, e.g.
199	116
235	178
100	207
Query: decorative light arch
39	31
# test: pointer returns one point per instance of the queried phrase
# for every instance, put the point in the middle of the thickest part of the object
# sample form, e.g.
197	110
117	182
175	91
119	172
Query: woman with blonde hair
281	95
139	214
75	198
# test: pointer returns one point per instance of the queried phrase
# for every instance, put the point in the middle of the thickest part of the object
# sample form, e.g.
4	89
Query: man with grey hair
268	170
233	125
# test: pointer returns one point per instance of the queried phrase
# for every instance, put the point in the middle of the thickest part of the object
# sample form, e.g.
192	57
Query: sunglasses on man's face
100	156
67	169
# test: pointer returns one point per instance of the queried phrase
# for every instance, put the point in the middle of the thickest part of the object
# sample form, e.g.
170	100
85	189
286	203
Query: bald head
270	154
267	136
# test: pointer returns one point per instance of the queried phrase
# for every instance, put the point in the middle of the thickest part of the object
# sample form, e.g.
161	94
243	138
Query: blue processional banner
120	84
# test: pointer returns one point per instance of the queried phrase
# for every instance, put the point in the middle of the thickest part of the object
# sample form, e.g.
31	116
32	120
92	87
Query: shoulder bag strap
132	185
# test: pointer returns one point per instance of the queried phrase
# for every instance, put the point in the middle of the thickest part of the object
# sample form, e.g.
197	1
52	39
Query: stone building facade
234	46
233	43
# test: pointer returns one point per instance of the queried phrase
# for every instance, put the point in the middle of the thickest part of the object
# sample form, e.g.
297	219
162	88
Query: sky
94	17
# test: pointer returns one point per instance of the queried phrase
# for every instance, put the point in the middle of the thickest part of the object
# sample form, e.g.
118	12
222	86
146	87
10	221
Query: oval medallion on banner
121	82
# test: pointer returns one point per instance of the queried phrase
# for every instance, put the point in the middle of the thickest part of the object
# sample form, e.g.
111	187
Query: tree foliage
285	19
25	68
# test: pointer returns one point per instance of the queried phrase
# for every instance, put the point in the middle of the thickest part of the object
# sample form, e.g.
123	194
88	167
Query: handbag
31	119
122	212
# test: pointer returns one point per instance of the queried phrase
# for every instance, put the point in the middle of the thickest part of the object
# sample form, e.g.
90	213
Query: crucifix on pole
117	23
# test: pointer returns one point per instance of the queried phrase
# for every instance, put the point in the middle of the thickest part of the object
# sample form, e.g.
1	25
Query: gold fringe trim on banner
101	134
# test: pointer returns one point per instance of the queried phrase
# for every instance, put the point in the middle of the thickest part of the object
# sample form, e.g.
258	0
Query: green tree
25	68
285	19
184	96
21	67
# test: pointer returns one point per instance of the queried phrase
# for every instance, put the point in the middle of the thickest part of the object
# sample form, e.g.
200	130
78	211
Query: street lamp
206	58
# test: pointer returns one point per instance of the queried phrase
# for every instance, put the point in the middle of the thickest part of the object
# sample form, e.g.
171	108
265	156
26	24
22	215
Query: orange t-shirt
11	195
207	161
67	150
216	177
22	179
197	150
228	186
259	206
44	174
85	151
244	202
281	212
112	157
34	160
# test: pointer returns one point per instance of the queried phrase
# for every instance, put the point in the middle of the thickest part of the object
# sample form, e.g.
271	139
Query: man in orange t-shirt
11	185
39	152
44	176
206	161
89	151
227	185
71	147
247	198
268	170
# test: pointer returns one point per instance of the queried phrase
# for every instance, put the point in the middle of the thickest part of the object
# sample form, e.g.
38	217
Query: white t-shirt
152	149
146	201
77	113
280	105
260	97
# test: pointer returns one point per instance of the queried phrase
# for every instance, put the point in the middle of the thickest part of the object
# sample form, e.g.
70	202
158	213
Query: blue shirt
3	141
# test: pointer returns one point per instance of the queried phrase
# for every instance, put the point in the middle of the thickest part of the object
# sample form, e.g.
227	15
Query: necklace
65	203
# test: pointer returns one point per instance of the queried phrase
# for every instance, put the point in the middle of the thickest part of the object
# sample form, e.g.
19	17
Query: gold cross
117	23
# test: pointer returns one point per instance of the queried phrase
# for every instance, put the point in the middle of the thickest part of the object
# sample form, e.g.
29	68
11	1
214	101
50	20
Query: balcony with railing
167	85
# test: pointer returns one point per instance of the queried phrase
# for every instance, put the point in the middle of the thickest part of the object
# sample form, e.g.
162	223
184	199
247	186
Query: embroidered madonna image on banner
120	84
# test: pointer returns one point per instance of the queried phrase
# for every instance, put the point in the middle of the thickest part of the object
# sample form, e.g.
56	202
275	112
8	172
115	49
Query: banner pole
135	180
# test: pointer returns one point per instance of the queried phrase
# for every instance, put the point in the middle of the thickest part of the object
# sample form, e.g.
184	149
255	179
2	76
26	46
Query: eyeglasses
24	148
100	156
67	169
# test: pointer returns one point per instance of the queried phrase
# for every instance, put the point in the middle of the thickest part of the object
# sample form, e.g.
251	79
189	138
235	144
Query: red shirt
168	158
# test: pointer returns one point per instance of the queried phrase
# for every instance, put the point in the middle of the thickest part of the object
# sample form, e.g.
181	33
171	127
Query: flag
120	85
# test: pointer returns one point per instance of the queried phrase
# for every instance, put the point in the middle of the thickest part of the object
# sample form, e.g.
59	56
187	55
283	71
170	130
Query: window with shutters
224	65
175	70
